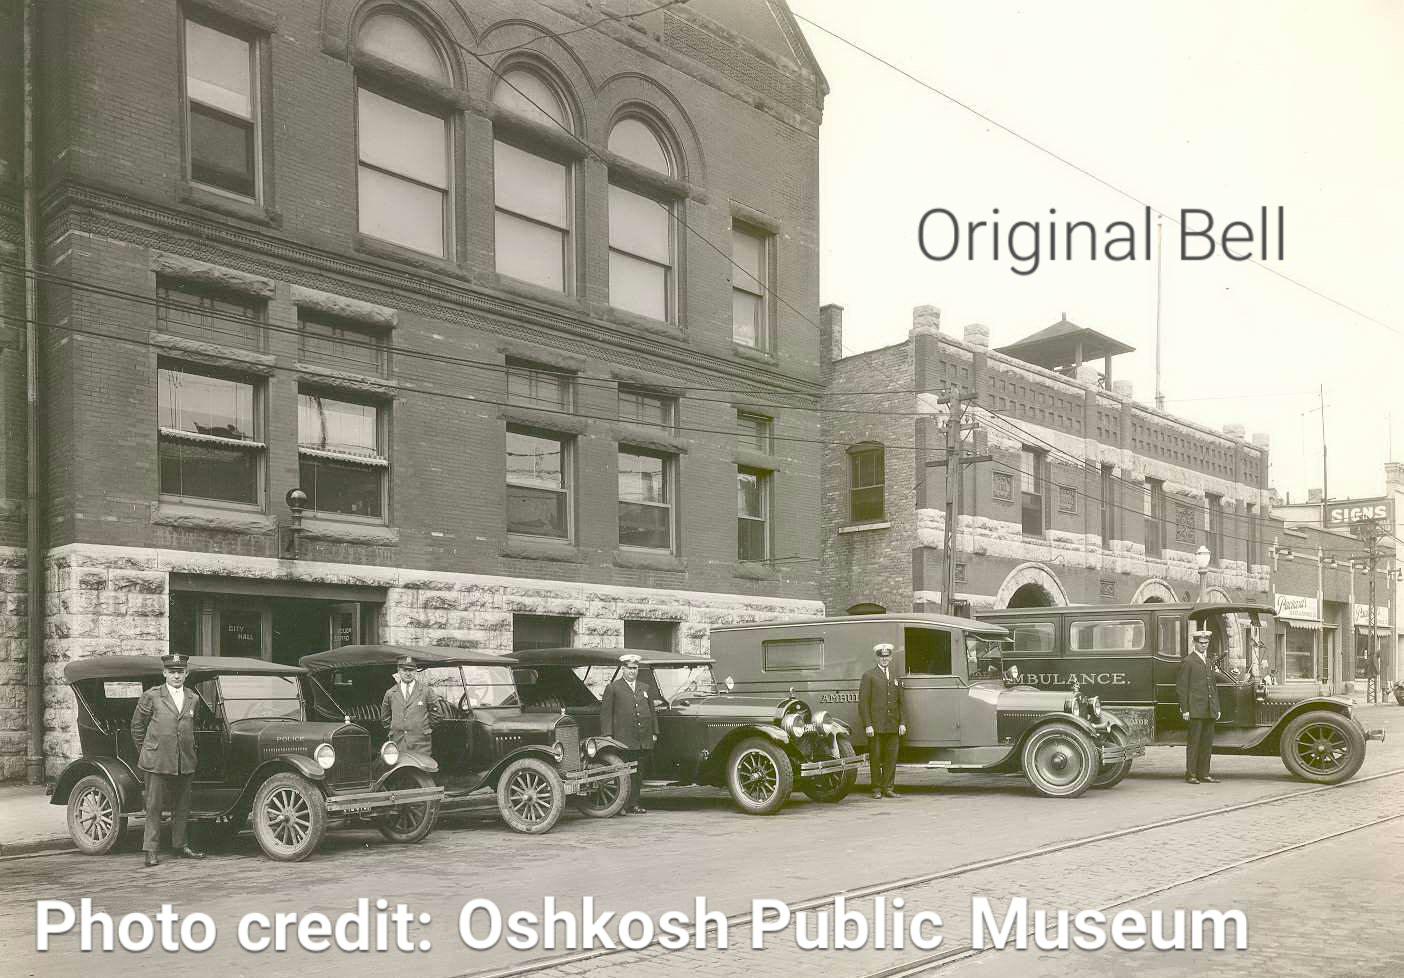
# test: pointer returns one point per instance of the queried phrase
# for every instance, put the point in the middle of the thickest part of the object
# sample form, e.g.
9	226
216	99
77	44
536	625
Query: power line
1079	168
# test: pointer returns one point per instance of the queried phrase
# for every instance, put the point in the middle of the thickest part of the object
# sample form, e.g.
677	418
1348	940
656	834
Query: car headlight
820	719
558	751
591	749
389	753
1094	707
793	724
325	756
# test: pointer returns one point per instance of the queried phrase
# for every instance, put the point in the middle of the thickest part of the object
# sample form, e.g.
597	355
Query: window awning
1302	623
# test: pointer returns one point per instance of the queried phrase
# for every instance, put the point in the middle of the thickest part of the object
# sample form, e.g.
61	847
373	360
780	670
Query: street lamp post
1201	562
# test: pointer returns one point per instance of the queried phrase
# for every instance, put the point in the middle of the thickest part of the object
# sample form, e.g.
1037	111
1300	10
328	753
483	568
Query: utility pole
1159	396
955	465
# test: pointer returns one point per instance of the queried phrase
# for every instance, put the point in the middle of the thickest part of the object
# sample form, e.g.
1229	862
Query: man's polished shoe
188	853
889	792
1191	779
1209	779
638	810
152	860
877	795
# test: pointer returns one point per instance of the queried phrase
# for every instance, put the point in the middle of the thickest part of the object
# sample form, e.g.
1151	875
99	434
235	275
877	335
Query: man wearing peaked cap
410	708
626	714
163	729
1199	707
880	713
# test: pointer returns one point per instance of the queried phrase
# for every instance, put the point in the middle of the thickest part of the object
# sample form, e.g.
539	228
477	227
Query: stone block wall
14	653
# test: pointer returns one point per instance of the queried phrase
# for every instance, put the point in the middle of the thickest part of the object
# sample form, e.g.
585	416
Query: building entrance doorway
271	627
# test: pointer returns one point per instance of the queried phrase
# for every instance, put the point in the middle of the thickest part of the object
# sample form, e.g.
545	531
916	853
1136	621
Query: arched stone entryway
1154	591
867	608
1032	586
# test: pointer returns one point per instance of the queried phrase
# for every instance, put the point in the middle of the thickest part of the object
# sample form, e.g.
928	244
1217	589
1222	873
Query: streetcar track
945	959
937	960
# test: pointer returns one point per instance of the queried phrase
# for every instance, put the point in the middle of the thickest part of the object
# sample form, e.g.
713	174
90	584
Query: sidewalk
28	823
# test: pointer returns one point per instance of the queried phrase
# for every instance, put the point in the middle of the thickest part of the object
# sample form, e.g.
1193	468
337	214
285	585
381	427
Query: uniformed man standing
163	729
409	709
1199	707
626	714
880	712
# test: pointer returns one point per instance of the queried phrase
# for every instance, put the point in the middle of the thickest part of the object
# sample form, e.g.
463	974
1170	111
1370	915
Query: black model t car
758	747
1130	655
482	740
963	711
256	755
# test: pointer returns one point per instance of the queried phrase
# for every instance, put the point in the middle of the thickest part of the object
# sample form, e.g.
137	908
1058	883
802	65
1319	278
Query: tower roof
1058	345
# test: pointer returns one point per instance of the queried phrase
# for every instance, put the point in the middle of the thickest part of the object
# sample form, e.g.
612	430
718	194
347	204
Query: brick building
1088	496
514	312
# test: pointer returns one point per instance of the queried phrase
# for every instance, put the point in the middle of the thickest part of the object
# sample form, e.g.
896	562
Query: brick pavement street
693	843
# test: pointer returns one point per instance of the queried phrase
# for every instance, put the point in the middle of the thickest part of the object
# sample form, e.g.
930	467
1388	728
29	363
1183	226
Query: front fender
603	743
412	761
540	753
123	779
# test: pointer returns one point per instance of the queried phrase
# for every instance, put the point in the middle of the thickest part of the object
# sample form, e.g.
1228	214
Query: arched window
867	608
641	241
534	212
402	151
866	483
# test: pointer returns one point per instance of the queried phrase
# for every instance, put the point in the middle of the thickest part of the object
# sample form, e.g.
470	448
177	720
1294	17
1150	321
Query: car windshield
260	697
675	682
471	687
984	658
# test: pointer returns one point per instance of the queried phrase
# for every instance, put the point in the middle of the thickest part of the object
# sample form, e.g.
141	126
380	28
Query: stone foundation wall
14	653
114	600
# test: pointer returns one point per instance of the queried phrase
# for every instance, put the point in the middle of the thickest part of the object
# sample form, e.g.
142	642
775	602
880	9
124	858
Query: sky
1192	104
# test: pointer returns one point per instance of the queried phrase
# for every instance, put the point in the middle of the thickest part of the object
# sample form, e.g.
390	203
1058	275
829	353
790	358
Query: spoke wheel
1060	760
290	817
833	787
602	799
760	776
408	823
1323	747
530	796
95	820
1111	775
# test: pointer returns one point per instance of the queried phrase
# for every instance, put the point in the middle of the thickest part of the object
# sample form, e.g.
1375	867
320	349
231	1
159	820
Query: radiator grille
568	734
352	767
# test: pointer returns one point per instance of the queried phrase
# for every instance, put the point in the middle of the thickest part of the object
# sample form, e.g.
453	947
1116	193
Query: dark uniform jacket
879	702
165	738
1199	696
408	722
627	715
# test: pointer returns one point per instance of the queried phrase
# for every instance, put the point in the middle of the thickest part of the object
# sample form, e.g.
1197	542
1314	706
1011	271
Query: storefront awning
1302	623
1379	629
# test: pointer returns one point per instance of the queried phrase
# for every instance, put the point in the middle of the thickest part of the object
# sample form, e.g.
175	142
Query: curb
36	847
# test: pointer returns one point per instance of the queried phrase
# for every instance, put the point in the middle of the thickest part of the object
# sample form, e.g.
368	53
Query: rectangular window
656	636
207	438
209	315
1155	519
928	651
792	655
1107	636
330	342
1250	517
1172	642
1215	505
403	175
221	101
541	632
641	407
1107	502
750	257
533	217
538	484
752	514
543	388
1032	636
340	463
866	486
1031	484
640	254
645	499
754	433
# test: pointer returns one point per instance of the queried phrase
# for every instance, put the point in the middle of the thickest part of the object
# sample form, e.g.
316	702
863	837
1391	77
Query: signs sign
1362	616
1350	512
1296	606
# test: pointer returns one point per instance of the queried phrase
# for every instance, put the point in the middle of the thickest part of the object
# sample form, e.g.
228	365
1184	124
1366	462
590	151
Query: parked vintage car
758	747
1130	656
963	712
484	741
256	755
